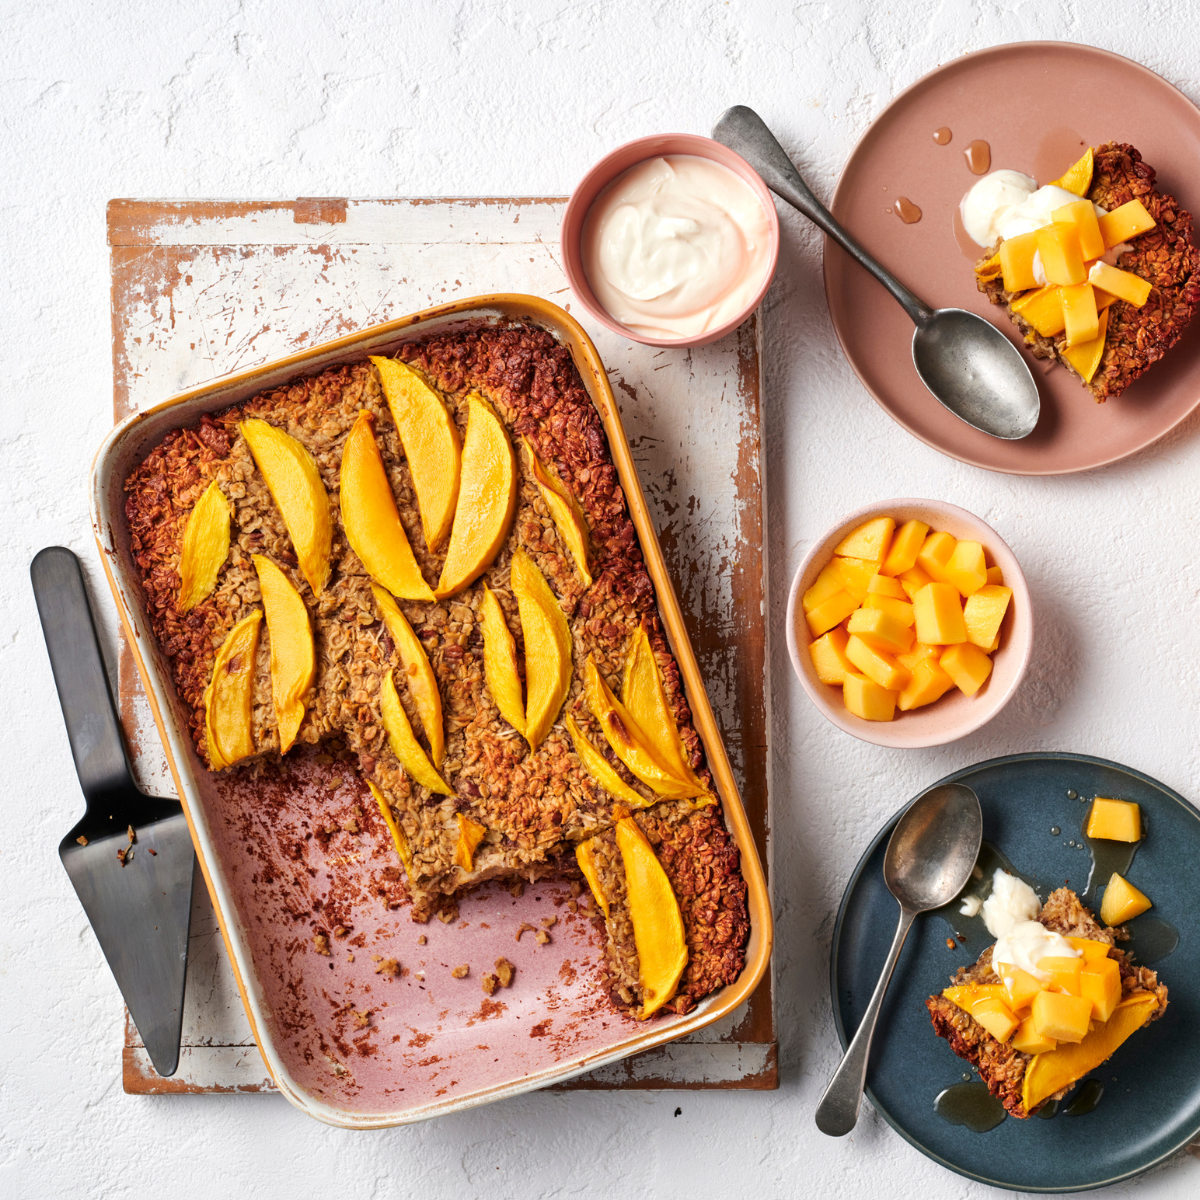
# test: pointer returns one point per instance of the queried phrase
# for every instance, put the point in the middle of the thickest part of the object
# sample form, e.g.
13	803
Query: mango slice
829	656
418	673
867	700
370	518
1124	223
1078	177
487	499
1081	320
1059	1068
500	661
984	612
205	548
1016	261
600	769
227	712
470	834
828	583
547	647
1043	310
967	995
566	512
293	662
902	553
295	485
869	541
1122	901
585	856
643	694
628	742
1115	820
399	838
431	446
657	923
1062	257
1125	285
988	268
1082	214
403	742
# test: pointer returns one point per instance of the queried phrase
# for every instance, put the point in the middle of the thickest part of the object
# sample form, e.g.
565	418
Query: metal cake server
139	901
928	861
971	368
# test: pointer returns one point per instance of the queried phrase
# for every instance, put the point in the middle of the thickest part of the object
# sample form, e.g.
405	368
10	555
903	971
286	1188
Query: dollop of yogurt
1006	204
676	246
1021	941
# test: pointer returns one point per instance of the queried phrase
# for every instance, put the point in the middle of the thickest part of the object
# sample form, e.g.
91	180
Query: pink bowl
954	715
605	171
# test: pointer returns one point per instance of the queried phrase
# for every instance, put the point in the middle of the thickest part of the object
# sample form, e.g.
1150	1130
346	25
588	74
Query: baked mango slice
403	742
470	834
205	548
431	446
295	485
487	499
547	647
566	512
1077	177
293	663
227	713
418	674
585	856
654	913
500	661
600	769
399	837
371	520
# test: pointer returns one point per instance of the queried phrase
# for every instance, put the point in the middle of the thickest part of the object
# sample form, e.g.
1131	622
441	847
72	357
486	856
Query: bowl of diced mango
909	623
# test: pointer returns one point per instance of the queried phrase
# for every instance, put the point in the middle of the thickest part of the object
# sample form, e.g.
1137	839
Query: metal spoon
929	860
965	361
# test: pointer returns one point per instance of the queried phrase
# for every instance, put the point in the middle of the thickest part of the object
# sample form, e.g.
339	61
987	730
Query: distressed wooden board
200	289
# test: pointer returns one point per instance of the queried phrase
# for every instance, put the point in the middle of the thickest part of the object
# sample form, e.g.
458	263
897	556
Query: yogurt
1021	941
676	246
1005	204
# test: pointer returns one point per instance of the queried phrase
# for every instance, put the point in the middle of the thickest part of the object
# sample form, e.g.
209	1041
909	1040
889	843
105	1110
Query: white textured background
314	97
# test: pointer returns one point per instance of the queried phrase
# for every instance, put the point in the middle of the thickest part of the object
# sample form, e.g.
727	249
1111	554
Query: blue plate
1151	1103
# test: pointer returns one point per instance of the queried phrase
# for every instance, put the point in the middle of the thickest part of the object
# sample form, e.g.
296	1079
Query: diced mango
829	656
1063	972
866	699
927	684
1085	358
1122	901
984	612
885	585
939	615
1091	951
914	579
1061	1017
870	540
881	630
1124	223
967	995
902	554
1079	313
988	268
935	554
1016	261
1021	986
827	583
1062	258
1029	1041
1125	285
996	1017
830	612
1103	298
919	653
1100	982
966	568
1078	176
877	665
995	575
1115	820
902	610
856	575
1082	214
1043	310
968	666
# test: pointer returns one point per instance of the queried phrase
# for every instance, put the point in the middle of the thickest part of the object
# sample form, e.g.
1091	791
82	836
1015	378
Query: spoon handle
745	133
837	1113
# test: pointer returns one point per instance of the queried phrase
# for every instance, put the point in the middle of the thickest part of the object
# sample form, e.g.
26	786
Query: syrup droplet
1086	1098
1054	829
969	1104
979	157
1072	795
907	211
942	136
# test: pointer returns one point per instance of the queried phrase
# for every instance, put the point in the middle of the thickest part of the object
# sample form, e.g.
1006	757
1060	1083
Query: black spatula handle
93	727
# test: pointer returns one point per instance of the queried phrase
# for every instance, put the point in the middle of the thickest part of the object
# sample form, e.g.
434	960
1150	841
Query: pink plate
1038	105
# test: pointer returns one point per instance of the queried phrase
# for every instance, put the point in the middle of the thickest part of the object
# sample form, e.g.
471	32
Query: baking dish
458	1057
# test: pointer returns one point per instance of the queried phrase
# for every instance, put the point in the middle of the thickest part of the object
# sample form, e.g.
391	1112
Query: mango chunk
968	666
870	540
1016	261
1062	258
470	834
500	661
547	646
1063	972
1082	322
856	574
988	268
403	742
939	615
875	664
1042	309
995	575
885	585
1122	901
866	699
399	838
1124	223
1082	214
919	653
1078	177
1100	982
1115	820
984	612
928	682
914	579
293	662
565	511
1123	284
829	656
967	995
1054	1070
418	674
1020	985
229	735
1029	1041
600	769
906	544
966	568
1061	1017
934	554
901	610
1091	951
830	612
204	549
828	583
881	630
585	856
1085	357
996	1017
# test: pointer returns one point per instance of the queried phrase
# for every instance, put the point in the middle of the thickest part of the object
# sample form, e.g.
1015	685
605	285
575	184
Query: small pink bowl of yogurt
671	240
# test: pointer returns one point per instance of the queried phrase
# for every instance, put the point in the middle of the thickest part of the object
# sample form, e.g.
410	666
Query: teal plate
1151	1102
